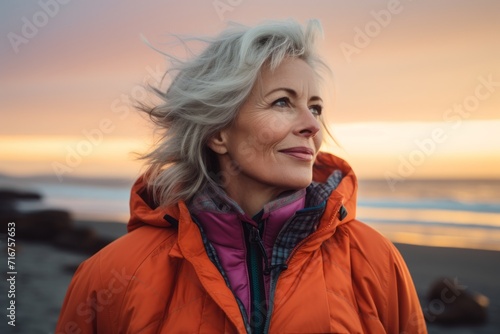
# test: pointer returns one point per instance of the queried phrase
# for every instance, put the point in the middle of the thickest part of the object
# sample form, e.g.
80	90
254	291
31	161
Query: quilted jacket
344	277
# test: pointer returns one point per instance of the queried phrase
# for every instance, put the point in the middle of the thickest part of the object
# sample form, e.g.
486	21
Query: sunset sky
416	83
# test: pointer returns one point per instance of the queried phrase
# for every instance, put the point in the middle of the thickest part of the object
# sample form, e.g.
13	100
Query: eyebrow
293	93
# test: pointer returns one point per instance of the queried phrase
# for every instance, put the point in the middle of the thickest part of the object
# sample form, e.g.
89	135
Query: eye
316	109
283	102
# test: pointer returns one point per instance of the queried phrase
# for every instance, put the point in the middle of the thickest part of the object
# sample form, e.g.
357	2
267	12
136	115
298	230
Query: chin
289	180
300	184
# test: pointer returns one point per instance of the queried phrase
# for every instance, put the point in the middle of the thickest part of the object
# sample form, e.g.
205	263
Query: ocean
449	213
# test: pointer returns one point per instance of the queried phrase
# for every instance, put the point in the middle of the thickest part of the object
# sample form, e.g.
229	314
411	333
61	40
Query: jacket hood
145	211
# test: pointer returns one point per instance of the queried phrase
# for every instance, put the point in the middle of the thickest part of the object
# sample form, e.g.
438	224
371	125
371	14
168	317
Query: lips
301	153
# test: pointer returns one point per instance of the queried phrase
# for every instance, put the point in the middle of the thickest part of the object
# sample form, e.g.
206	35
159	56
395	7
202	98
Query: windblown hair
205	96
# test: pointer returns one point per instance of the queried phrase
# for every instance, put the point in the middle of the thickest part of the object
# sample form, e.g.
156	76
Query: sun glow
404	149
421	149
68	155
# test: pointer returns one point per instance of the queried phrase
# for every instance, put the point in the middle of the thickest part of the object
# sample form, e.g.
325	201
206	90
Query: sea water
451	213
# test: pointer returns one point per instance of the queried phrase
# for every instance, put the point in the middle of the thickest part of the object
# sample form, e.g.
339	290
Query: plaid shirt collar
299	225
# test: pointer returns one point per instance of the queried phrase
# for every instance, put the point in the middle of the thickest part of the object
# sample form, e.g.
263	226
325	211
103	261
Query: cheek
267	138
318	139
269	132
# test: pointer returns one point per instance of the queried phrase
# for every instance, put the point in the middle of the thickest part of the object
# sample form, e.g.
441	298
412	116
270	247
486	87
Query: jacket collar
144	211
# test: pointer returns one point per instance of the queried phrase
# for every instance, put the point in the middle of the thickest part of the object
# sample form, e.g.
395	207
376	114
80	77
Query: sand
479	270
44	273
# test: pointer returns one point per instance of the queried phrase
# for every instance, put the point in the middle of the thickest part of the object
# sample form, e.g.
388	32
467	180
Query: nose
307	124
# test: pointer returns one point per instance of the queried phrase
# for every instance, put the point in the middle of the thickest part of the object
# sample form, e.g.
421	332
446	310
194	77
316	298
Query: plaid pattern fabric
305	221
298	227
302	224
319	192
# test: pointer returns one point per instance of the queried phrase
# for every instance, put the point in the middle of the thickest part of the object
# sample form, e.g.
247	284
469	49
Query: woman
240	224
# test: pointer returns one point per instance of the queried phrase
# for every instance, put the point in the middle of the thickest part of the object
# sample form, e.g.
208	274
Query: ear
217	143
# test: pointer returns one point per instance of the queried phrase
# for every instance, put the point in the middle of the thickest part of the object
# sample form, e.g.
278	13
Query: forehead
292	73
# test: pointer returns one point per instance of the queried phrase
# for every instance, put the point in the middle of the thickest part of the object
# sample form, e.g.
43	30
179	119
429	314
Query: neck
251	197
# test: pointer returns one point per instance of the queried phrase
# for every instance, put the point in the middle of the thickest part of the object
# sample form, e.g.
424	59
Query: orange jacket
344	278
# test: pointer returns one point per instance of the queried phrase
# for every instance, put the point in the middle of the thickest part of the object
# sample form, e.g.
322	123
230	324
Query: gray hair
205	96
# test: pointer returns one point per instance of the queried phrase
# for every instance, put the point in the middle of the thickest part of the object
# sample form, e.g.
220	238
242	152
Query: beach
477	270
44	273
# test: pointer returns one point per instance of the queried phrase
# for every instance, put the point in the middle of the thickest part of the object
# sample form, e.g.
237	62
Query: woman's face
275	138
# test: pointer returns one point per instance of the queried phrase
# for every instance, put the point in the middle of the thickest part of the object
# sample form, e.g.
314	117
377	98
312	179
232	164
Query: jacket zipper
206	243
256	256
274	278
